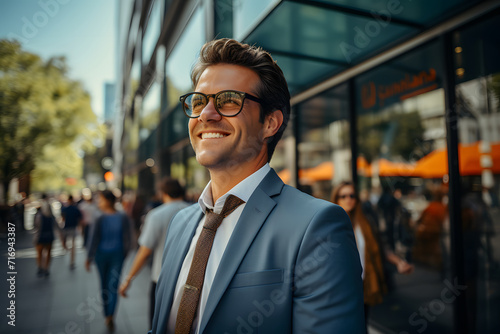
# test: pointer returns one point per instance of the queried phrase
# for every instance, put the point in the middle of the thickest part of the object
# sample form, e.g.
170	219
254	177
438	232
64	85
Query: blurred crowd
106	225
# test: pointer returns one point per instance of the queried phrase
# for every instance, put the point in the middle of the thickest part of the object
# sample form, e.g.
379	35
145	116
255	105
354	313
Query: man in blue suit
281	262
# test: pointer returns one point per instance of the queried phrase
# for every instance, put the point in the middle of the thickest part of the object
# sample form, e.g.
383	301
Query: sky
81	30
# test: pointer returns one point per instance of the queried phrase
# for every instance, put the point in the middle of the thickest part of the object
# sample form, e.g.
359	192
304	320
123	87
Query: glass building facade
401	97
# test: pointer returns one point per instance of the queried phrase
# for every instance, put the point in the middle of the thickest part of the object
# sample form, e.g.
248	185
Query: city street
68	301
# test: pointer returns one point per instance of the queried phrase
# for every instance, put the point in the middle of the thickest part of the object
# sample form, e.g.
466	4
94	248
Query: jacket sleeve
328	288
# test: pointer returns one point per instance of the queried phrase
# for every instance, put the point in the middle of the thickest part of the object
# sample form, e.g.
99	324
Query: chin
219	161
207	160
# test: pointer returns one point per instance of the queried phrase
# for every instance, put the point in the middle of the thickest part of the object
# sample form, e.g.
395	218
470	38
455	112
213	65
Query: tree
41	111
389	134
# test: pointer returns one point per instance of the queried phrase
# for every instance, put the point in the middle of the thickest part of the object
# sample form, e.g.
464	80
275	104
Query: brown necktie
194	283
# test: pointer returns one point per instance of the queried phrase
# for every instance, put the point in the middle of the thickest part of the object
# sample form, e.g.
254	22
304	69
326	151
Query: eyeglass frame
182	98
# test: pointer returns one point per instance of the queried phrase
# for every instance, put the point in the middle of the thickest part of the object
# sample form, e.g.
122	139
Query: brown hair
335	192
109	196
171	187
356	213
273	89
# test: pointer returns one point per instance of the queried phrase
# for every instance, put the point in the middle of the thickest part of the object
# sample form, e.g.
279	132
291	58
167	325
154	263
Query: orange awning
435	164
364	168
323	171
384	167
389	168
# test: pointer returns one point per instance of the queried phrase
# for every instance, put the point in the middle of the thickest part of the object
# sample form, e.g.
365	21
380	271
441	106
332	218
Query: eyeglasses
352	196
228	103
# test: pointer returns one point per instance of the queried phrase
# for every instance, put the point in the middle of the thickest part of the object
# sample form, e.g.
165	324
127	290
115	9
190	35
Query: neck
109	210
225	179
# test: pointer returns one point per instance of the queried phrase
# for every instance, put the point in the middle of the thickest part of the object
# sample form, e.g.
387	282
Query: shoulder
298	217
186	214
295	201
188	211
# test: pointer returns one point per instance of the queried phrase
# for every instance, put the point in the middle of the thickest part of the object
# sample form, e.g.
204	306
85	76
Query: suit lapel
178	251
252	218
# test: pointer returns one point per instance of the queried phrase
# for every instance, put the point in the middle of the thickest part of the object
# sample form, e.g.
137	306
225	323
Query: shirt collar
243	190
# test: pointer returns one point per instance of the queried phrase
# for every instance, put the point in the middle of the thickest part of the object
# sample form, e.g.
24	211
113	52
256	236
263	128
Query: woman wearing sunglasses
369	246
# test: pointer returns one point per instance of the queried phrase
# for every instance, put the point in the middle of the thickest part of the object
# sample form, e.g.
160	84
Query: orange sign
409	86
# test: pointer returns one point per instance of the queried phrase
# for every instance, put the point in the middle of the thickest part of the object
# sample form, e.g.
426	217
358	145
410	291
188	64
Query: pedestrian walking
90	212
72	218
45	227
109	244
152	239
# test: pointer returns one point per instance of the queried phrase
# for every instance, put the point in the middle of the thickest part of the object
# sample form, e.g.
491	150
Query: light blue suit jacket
291	266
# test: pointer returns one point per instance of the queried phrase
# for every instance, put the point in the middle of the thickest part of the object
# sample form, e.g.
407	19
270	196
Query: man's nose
209	113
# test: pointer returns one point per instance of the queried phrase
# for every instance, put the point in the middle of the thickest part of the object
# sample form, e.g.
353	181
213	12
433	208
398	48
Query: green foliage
58	168
390	135
41	109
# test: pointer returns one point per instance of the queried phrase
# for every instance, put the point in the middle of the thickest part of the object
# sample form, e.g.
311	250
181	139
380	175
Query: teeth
212	135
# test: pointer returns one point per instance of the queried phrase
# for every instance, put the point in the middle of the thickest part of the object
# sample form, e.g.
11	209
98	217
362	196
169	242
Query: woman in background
110	241
45	225
369	248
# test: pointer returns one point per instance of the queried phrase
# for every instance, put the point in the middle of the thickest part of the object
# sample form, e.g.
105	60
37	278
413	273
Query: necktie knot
213	220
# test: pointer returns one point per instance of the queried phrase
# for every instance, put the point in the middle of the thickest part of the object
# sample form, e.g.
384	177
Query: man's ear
272	123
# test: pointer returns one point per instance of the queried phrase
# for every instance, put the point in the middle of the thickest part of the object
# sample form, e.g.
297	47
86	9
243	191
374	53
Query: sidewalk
68	301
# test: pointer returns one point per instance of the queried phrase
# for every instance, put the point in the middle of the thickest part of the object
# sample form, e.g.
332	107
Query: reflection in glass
283	160
131	137
183	57
246	14
477	72
400	127
324	148
152	32
150	113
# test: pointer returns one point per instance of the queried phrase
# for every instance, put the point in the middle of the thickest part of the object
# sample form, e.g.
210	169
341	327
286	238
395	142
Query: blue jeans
110	267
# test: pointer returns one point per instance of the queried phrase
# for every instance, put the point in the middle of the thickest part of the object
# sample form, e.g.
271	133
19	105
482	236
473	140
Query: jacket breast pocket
254	278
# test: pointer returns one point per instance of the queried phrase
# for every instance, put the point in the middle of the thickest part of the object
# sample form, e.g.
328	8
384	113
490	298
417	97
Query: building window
152	32
324	148
402	170
181	60
150	113
477	71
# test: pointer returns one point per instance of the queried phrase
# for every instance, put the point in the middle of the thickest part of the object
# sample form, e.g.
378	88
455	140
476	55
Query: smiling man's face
228	142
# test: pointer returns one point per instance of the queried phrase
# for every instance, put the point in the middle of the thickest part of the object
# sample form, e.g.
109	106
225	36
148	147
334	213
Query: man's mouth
210	135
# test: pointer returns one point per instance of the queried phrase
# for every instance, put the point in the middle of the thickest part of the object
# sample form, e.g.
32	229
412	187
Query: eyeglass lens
227	103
